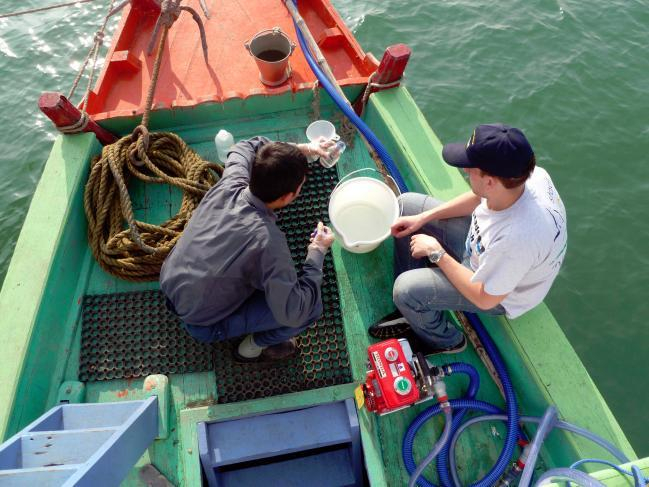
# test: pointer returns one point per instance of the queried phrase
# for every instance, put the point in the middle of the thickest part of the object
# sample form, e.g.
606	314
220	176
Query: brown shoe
272	353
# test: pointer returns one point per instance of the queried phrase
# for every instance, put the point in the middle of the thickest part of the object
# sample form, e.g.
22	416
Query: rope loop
169	12
99	37
140	140
123	245
77	127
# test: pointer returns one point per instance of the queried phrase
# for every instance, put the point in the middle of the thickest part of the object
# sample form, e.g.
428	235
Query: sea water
362	223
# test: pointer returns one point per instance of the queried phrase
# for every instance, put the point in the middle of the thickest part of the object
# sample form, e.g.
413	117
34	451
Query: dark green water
574	75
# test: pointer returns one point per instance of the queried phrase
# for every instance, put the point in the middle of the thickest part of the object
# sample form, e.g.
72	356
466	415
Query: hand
322	238
316	149
422	245
406	225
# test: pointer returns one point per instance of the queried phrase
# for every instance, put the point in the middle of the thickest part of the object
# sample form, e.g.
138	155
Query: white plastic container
321	130
333	154
361	211
224	142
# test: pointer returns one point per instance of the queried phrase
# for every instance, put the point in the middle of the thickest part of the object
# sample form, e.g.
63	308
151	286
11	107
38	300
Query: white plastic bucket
361	211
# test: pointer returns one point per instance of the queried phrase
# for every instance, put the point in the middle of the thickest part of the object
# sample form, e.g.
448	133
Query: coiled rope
136	253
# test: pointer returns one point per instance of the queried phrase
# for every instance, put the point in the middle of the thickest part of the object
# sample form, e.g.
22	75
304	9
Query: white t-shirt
518	251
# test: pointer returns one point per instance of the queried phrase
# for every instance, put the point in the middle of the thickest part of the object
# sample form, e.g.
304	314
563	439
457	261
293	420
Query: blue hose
418	422
474	385
510	404
350	113
441	443
512	416
582	478
546	425
638	479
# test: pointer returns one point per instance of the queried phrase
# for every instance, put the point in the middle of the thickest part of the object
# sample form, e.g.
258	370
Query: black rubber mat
128	335
322	359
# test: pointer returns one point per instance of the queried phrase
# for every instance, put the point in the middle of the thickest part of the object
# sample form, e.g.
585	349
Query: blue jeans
253	316
422	292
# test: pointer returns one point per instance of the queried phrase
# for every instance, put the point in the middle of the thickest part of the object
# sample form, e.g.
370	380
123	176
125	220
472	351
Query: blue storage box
317	446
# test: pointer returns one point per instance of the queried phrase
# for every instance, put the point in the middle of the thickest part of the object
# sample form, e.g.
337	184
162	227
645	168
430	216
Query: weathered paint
39	297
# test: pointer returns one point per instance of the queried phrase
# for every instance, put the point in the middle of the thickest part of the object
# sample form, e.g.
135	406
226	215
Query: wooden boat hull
52	269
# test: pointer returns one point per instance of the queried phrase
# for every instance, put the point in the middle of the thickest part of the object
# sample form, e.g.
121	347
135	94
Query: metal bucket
271	49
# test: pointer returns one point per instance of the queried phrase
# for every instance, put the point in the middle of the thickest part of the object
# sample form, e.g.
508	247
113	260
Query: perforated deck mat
322	359
128	335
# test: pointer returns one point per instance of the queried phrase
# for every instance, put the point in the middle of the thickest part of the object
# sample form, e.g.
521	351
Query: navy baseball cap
497	149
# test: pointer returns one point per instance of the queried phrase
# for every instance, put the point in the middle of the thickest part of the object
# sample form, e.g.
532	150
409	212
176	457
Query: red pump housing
389	384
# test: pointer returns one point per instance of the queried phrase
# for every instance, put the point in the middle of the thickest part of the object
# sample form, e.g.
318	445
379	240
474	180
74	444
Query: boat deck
53	269
361	293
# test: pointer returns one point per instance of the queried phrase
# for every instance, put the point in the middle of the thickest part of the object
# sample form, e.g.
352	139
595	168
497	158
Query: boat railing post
64	114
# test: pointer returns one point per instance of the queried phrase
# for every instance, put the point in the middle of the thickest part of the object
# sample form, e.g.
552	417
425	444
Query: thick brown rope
107	203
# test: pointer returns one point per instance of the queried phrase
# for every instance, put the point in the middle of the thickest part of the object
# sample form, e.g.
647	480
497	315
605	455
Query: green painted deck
53	268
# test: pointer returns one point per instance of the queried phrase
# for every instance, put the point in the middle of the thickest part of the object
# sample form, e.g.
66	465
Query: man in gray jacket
231	272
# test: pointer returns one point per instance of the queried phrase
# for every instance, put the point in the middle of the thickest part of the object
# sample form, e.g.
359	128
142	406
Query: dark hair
511	183
279	169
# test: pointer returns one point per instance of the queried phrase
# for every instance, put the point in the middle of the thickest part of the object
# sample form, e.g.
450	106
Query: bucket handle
372	169
274	31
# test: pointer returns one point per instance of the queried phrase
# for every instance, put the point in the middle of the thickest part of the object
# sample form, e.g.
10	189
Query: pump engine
397	378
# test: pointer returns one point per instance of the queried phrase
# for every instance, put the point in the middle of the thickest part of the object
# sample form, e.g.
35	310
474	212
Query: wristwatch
436	255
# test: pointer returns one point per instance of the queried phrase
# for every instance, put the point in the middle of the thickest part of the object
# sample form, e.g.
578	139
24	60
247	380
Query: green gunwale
52	269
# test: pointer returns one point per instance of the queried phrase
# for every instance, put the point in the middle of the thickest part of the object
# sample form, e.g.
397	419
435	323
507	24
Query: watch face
436	255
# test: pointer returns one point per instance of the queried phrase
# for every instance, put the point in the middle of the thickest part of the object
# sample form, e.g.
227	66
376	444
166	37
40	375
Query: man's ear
287	198
492	181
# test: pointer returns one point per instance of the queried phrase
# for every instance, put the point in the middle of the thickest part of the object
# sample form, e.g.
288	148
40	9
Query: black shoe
393	325
418	346
272	353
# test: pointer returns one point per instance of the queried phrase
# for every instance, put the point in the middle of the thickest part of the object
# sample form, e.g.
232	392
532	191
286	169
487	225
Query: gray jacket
232	247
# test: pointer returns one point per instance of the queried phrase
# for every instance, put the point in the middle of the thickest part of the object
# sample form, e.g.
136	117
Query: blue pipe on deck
418	422
441	443
511	405
582	478
548	421
474	385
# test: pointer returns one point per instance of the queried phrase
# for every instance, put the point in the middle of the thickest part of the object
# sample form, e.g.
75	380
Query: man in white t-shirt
495	249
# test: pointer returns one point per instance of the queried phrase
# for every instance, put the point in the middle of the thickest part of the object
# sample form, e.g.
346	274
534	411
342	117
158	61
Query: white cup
321	130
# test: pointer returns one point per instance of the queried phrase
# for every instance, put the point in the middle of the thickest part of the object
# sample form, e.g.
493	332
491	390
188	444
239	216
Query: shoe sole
244	360
382	330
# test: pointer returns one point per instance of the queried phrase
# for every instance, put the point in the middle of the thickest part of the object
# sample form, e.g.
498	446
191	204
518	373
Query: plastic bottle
223	141
333	154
